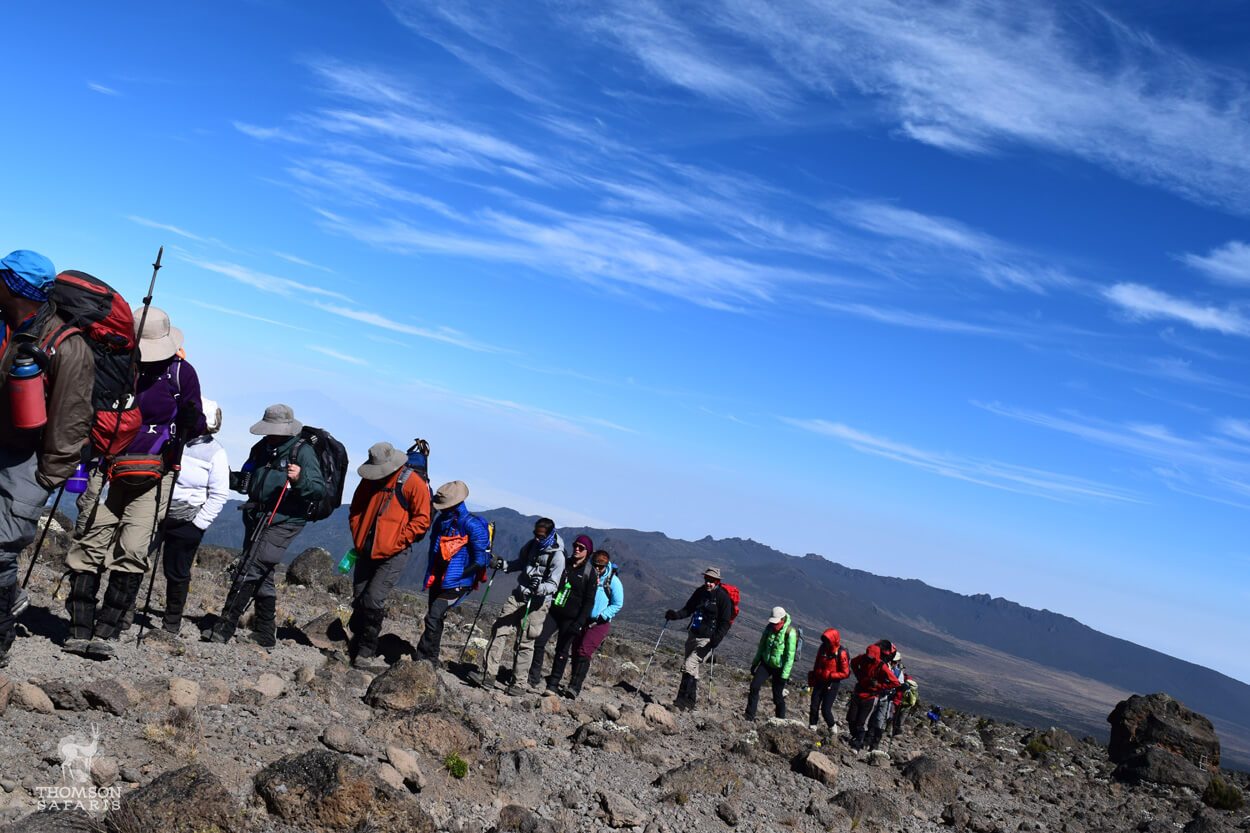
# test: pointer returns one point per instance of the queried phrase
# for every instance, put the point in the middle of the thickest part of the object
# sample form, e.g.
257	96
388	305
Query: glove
601	620
670	615
499	564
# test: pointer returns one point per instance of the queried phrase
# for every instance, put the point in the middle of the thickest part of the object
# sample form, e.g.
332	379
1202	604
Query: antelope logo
76	756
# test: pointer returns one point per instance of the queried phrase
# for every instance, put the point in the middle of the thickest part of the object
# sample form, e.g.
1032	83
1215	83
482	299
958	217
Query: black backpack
332	458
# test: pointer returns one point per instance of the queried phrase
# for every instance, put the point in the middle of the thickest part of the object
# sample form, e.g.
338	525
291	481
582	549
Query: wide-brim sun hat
279	421
384	460
160	340
712	572
779	613
450	494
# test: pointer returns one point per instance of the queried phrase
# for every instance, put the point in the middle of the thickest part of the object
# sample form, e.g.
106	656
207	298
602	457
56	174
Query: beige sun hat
450	494
159	339
384	460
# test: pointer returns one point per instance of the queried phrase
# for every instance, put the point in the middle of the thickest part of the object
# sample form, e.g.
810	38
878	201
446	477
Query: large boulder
324	791
54	821
1155	738
407	686
187	800
932	778
713	776
786	738
315	567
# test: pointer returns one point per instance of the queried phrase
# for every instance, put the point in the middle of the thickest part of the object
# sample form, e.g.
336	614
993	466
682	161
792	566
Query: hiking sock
264	624
581	667
175	603
83	587
123	589
236	602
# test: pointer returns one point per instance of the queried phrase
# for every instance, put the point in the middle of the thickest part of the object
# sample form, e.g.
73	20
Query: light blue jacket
609	595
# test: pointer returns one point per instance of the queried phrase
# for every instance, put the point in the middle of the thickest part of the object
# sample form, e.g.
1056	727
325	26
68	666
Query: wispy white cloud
1228	264
983	472
335	354
918	320
262	280
299	261
181	232
266	134
101	89
445	335
237	313
1146	304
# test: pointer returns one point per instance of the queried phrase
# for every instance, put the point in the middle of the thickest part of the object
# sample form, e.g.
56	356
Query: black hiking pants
824	694
762	673
431	644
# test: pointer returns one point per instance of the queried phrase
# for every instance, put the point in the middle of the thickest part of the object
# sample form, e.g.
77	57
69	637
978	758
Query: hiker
282	479
540	561
200	494
907	700
35	461
774	659
569	616
117	528
390	512
832	666
459	555
870	701
609	599
710	611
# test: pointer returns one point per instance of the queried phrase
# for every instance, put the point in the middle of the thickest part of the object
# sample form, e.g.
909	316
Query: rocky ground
204	738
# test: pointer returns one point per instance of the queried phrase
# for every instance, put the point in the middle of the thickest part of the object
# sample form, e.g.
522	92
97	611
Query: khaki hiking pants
693	661
503	634
125	521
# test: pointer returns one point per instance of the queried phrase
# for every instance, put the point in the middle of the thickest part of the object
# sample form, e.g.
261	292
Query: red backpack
101	314
735	596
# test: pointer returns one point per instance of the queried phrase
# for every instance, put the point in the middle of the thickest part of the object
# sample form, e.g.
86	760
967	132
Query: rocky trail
191	737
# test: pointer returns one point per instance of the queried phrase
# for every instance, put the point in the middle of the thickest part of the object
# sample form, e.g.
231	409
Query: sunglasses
601	567
581	547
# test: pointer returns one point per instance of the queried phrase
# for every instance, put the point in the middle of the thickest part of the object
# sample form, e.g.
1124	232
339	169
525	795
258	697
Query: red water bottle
27	402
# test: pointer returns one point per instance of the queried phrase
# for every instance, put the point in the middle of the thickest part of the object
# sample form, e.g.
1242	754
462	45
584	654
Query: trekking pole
156	550
42	535
643	678
711	669
257	531
478	615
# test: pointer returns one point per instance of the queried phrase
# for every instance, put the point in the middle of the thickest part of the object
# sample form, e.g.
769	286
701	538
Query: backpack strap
57	337
398	490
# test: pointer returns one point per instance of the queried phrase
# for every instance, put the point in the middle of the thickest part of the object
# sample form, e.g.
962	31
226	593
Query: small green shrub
1222	795
457	766
1036	747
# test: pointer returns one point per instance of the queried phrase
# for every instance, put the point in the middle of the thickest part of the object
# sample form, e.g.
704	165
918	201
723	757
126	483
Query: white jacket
204	481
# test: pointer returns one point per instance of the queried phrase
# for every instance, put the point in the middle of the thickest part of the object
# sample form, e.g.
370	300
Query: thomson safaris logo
75	791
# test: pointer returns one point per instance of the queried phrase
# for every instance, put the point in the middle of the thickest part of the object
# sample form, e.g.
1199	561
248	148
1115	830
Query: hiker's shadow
41	621
394	648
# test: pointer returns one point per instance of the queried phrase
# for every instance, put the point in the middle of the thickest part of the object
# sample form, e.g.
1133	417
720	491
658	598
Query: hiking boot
175	603
581	667
76	646
237	600
478	678
372	665
264	623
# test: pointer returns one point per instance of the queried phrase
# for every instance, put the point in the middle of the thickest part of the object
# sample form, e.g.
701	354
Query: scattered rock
609	737
430	734
817	766
933	779
786	738
405	686
323	791
517	819
727	813
32	698
111	694
6	692
184	693
315	567
214	693
705	775
54	821
326	632
405	763
64	694
104	771
660	716
187	800
341	739
271	686
389	775
620	811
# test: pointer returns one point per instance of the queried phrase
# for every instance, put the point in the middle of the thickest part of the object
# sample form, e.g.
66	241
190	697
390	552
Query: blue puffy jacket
609	595
463	567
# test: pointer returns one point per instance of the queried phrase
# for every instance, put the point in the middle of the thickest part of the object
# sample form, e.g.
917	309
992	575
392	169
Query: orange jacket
396	529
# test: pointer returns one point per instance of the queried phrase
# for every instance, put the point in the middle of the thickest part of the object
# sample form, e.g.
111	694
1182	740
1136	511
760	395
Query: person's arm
887	677
218	490
685	612
792	642
311	484
72	378
518	563
418	497
616	599
759	651
588	597
842	664
548	586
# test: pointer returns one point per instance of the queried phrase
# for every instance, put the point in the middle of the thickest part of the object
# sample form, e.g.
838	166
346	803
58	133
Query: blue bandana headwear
28	274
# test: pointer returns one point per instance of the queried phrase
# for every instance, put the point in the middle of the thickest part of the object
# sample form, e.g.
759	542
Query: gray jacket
540	568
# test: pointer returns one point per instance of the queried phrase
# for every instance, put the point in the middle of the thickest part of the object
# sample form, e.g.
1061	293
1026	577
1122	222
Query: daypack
92	307
911	695
332	458
735	596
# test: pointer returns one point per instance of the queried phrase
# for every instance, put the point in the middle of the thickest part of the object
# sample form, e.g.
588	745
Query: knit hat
585	541
28	274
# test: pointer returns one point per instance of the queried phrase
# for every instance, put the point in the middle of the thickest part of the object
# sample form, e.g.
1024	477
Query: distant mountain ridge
975	652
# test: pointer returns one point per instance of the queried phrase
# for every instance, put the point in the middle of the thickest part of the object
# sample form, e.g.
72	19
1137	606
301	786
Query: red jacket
832	660
874	677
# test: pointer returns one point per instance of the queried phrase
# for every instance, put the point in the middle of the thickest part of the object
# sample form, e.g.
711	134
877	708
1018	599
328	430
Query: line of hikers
117	416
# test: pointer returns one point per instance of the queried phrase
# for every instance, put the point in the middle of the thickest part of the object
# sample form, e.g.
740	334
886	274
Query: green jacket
777	648
269	474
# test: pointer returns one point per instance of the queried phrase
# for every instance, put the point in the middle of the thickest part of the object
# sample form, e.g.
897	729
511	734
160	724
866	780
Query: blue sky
954	291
